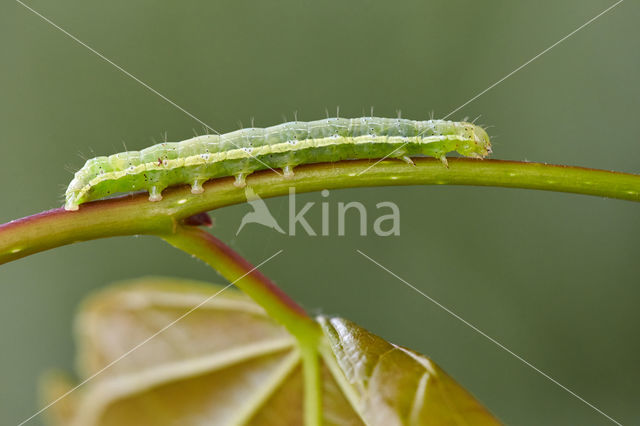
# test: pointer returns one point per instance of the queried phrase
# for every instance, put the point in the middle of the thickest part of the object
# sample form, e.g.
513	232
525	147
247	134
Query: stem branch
263	291
246	277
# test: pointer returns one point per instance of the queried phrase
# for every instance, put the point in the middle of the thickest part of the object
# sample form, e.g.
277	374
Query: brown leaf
227	362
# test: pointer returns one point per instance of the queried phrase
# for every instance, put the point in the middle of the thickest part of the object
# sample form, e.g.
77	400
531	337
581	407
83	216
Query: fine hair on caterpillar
284	146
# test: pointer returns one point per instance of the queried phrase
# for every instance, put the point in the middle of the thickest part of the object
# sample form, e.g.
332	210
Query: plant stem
134	214
263	291
246	277
312	385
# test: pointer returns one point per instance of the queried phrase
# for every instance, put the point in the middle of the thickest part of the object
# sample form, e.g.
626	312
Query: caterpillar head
479	145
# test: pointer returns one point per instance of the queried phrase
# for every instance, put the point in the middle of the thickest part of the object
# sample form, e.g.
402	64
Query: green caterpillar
239	153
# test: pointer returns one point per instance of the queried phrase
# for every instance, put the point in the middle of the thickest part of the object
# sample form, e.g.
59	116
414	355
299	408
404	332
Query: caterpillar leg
155	193
288	172
443	160
196	186
240	181
71	205
407	160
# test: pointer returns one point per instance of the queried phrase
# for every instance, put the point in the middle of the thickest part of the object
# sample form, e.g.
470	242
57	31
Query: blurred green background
554	277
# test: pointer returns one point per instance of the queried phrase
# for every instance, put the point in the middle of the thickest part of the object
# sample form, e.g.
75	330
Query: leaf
227	362
396	386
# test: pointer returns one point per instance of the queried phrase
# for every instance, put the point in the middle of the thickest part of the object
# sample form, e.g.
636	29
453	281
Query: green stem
130	215
264	292
312	385
246	277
